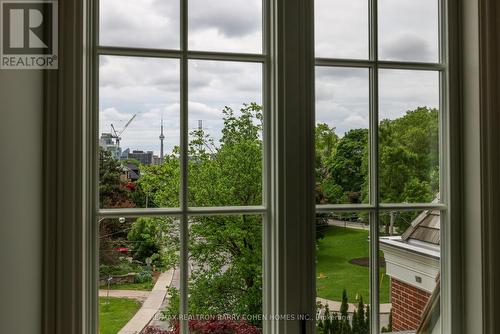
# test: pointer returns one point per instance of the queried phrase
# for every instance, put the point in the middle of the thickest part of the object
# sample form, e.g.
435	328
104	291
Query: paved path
160	322
385	309
139	295
347	224
335	306
150	306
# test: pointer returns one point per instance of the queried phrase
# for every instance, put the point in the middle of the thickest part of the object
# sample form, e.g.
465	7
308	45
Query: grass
116	314
335	273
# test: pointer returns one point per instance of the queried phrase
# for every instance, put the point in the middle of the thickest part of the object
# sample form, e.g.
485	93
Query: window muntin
399	82
200	56
372	64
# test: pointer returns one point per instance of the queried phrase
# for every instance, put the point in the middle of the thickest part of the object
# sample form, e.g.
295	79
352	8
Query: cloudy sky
150	87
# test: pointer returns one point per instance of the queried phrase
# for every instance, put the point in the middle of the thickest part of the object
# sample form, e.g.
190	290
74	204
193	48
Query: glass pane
342	113
230	26
409	136
225	280
145	24
410	242
137	96
138	265
341	28
342	272
409	30
225	122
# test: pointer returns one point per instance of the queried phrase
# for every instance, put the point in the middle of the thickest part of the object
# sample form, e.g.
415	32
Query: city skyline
150	86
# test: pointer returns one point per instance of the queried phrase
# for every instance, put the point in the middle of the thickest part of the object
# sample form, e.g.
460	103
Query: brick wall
408	304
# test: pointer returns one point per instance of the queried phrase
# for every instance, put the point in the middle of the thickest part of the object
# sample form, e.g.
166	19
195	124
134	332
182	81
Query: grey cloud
342	98
403	90
153	24
130	85
341	28
407	46
336	73
119	72
416	21
230	18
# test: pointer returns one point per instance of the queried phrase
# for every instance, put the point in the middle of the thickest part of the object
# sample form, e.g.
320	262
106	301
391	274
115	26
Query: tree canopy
225	252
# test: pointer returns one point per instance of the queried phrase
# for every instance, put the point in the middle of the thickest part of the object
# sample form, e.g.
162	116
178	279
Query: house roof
424	228
423	236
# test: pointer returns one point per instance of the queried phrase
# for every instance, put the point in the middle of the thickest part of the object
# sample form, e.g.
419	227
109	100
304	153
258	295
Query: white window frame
71	276
374	207
184	211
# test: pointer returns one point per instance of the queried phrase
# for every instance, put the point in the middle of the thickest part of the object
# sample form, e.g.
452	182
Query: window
182	206
381	182
188	119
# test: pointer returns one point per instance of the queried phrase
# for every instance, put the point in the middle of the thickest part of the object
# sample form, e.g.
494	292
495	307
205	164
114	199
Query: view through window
181	108
181	157
379	110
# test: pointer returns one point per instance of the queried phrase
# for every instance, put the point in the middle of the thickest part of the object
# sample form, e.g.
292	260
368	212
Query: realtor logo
28	34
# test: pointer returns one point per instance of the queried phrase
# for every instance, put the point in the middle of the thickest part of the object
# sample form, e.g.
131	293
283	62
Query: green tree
358	322
345	327
409	161
225	251
113	193
409	158
112	189
347	166
144	238
327	191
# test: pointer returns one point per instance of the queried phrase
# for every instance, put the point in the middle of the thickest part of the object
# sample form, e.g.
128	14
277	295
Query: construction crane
117	134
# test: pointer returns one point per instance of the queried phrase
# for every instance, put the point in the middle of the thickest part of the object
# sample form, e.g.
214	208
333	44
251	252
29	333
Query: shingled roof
425	228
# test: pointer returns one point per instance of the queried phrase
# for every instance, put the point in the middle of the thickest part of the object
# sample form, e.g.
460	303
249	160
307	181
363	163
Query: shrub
145	235
122	268
210	327
143	277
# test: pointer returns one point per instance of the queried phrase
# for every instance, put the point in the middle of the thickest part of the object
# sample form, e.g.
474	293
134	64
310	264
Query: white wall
21	121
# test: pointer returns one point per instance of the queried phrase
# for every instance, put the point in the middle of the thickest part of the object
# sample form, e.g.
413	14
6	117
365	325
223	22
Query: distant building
162	138
124	154
412	263
107	143
145	158
157	160
130	172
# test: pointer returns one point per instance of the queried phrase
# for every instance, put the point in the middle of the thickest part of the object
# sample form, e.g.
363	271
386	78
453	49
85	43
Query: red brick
408	304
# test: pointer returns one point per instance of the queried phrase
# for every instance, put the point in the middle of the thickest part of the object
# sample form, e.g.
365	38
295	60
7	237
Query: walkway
347	224
139	295
335	306
151	306
385	309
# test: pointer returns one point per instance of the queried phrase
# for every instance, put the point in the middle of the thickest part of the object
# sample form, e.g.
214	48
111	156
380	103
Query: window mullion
374	168
184	145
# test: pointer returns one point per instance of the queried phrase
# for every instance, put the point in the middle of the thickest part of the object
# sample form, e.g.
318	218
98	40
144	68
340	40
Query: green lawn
334	272
113	316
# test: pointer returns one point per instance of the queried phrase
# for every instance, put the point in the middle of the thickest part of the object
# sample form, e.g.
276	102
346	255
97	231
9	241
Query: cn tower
162	137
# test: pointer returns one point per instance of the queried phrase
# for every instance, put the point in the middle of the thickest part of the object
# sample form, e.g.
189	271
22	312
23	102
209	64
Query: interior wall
21	161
